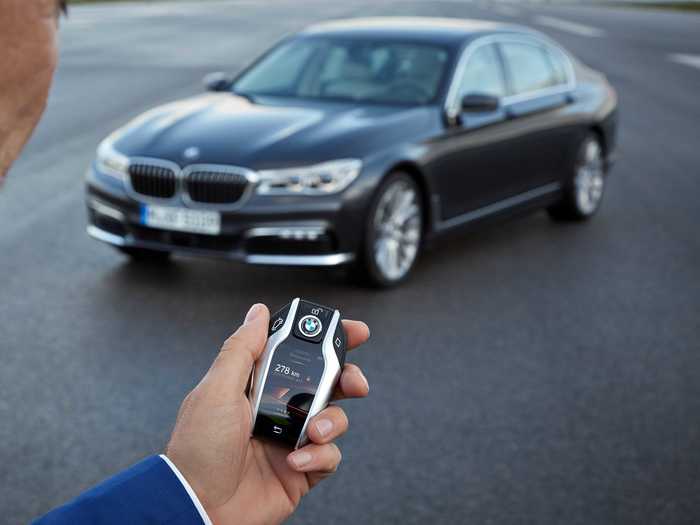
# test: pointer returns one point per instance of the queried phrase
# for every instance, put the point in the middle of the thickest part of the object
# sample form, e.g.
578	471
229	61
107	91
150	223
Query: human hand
242	480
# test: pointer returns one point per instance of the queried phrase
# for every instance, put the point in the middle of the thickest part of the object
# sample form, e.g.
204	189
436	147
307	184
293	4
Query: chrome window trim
182	196
451	106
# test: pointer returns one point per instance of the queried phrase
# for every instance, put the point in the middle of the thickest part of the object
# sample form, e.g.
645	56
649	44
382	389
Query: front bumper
291	233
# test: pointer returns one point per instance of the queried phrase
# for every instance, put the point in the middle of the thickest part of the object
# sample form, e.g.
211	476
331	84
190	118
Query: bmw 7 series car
354	142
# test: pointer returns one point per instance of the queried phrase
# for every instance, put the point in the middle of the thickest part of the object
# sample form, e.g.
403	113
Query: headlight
111	162
320	179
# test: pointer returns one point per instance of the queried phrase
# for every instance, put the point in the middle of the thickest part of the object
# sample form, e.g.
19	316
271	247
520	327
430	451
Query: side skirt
496	208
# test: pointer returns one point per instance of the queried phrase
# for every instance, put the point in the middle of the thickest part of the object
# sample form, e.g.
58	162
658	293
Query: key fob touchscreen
295	376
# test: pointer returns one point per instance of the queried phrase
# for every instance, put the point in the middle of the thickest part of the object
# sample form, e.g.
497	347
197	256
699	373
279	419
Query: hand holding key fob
297	372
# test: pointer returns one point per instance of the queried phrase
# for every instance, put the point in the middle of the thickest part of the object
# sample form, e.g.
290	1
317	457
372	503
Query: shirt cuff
190	492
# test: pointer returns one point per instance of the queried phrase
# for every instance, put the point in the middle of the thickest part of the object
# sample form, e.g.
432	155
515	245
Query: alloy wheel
589	180
397	230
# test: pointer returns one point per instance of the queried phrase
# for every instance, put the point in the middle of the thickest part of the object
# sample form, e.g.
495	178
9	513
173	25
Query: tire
584	189
393	232
144	255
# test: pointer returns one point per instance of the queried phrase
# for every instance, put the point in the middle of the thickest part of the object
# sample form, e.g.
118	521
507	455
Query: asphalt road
528	373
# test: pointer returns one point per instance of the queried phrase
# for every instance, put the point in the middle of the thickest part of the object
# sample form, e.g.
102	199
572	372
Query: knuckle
240	341
220	359
231	341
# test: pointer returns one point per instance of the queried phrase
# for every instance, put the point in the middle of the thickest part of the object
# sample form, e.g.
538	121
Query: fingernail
301	458
324	427
253	313
362	376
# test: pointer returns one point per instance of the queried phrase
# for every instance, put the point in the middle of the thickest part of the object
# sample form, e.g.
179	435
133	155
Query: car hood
222	128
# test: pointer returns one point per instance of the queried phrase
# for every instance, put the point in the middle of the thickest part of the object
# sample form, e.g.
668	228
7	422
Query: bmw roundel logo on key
310	325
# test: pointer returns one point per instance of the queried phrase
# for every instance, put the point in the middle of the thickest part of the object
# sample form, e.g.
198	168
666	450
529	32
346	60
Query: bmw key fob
295	376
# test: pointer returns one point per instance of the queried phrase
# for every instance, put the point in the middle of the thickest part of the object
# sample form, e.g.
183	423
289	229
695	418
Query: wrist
196	501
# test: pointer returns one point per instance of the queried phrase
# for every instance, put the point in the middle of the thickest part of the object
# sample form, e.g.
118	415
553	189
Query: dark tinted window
483	73
353	69
529	66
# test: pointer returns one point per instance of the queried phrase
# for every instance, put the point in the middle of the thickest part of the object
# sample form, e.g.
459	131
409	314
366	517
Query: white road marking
569	27
686	60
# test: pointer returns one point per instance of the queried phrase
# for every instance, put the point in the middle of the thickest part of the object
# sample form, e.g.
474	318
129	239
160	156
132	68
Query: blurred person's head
27	62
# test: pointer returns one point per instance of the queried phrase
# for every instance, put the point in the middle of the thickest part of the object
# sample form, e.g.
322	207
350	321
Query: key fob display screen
292	380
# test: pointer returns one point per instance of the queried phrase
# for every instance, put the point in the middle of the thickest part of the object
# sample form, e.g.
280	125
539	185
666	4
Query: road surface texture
529	373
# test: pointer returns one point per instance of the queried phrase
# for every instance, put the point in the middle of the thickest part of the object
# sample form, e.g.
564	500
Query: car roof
429	29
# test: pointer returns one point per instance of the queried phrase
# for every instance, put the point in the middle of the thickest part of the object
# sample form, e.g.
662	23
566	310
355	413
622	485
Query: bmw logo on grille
191	153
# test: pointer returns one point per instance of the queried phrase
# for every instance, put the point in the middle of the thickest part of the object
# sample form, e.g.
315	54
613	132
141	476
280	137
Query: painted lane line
686	60
569	27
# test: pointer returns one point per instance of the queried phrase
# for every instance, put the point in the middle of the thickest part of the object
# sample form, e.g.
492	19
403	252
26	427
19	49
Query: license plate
181	219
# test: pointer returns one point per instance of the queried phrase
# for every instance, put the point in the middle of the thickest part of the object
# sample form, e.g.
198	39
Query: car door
471	166
538	108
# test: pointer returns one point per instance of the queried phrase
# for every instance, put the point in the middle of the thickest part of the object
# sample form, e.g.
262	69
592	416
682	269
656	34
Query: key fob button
278	318
339	343
311	321
310	326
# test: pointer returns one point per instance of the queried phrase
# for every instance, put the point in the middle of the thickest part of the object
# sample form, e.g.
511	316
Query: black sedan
353	142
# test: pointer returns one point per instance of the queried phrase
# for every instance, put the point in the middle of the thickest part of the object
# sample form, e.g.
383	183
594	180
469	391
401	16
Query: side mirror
479	103
217	81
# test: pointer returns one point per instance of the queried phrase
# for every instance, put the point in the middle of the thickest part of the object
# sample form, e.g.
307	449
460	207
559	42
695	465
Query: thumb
235	361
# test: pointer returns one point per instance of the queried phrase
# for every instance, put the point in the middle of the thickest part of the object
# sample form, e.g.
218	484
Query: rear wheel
144	255
393	231
584	190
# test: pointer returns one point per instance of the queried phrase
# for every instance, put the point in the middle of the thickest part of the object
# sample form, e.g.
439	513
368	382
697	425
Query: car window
557	61
529	67
483	73
289	62
349	69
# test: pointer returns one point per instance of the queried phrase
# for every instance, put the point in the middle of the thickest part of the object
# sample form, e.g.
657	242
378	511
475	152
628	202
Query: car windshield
383	72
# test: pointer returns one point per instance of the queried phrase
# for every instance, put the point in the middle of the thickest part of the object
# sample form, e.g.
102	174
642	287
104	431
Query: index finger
357	332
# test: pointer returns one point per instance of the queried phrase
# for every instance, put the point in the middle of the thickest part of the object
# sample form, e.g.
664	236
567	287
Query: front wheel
393	231
584	190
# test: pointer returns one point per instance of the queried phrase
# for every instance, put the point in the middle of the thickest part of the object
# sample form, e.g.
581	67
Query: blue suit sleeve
147	493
